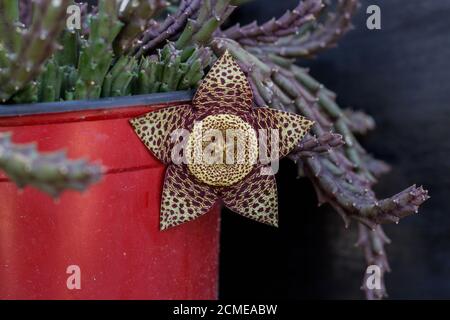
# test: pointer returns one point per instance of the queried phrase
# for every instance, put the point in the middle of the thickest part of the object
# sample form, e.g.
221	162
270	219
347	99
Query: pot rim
96	104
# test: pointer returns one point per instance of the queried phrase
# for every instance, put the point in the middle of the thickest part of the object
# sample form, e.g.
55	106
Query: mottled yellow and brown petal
183	199
224	89
291	128
254	197
223	102
155	129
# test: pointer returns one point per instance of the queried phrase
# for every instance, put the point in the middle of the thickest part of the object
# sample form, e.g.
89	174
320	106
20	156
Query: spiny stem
50	172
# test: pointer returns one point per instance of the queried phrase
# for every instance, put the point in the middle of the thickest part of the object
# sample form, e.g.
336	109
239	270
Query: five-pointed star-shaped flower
223	101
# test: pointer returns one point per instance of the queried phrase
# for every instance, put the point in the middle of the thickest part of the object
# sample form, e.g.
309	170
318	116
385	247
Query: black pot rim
98	104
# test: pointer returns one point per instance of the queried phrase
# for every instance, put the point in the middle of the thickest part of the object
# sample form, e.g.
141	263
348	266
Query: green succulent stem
52	173
23	51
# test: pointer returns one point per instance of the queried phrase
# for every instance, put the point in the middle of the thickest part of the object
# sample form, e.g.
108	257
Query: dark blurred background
399	75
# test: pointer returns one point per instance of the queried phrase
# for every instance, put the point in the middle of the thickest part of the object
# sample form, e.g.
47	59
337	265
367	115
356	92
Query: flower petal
224	87
292	128
183	199
155	129
255	197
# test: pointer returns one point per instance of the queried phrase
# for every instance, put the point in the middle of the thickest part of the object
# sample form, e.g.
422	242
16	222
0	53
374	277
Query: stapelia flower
224	104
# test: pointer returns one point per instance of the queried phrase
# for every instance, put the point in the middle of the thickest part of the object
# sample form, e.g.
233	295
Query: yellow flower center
221	150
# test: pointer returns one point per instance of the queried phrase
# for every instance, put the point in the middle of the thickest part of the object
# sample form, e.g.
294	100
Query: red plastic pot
111	231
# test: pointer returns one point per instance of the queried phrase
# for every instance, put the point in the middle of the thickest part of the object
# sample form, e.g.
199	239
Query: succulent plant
52	173
135	15
97	62
172	69
23	50
126	47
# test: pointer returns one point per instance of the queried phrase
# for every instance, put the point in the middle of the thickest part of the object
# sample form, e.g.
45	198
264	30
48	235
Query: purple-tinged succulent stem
154	38
269	32
359	122
136	15
340	176
310	146
25	11
372	244
315	38
210	17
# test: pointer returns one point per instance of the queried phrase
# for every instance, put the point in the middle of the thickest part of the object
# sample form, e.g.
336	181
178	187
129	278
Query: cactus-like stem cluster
153	37
136	16
96	53
271	32
210	17
172	69
167	70
23	50
118	80
52	173
325	34
86	66
312	37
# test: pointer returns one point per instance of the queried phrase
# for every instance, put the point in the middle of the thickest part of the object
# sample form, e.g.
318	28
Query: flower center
221	150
